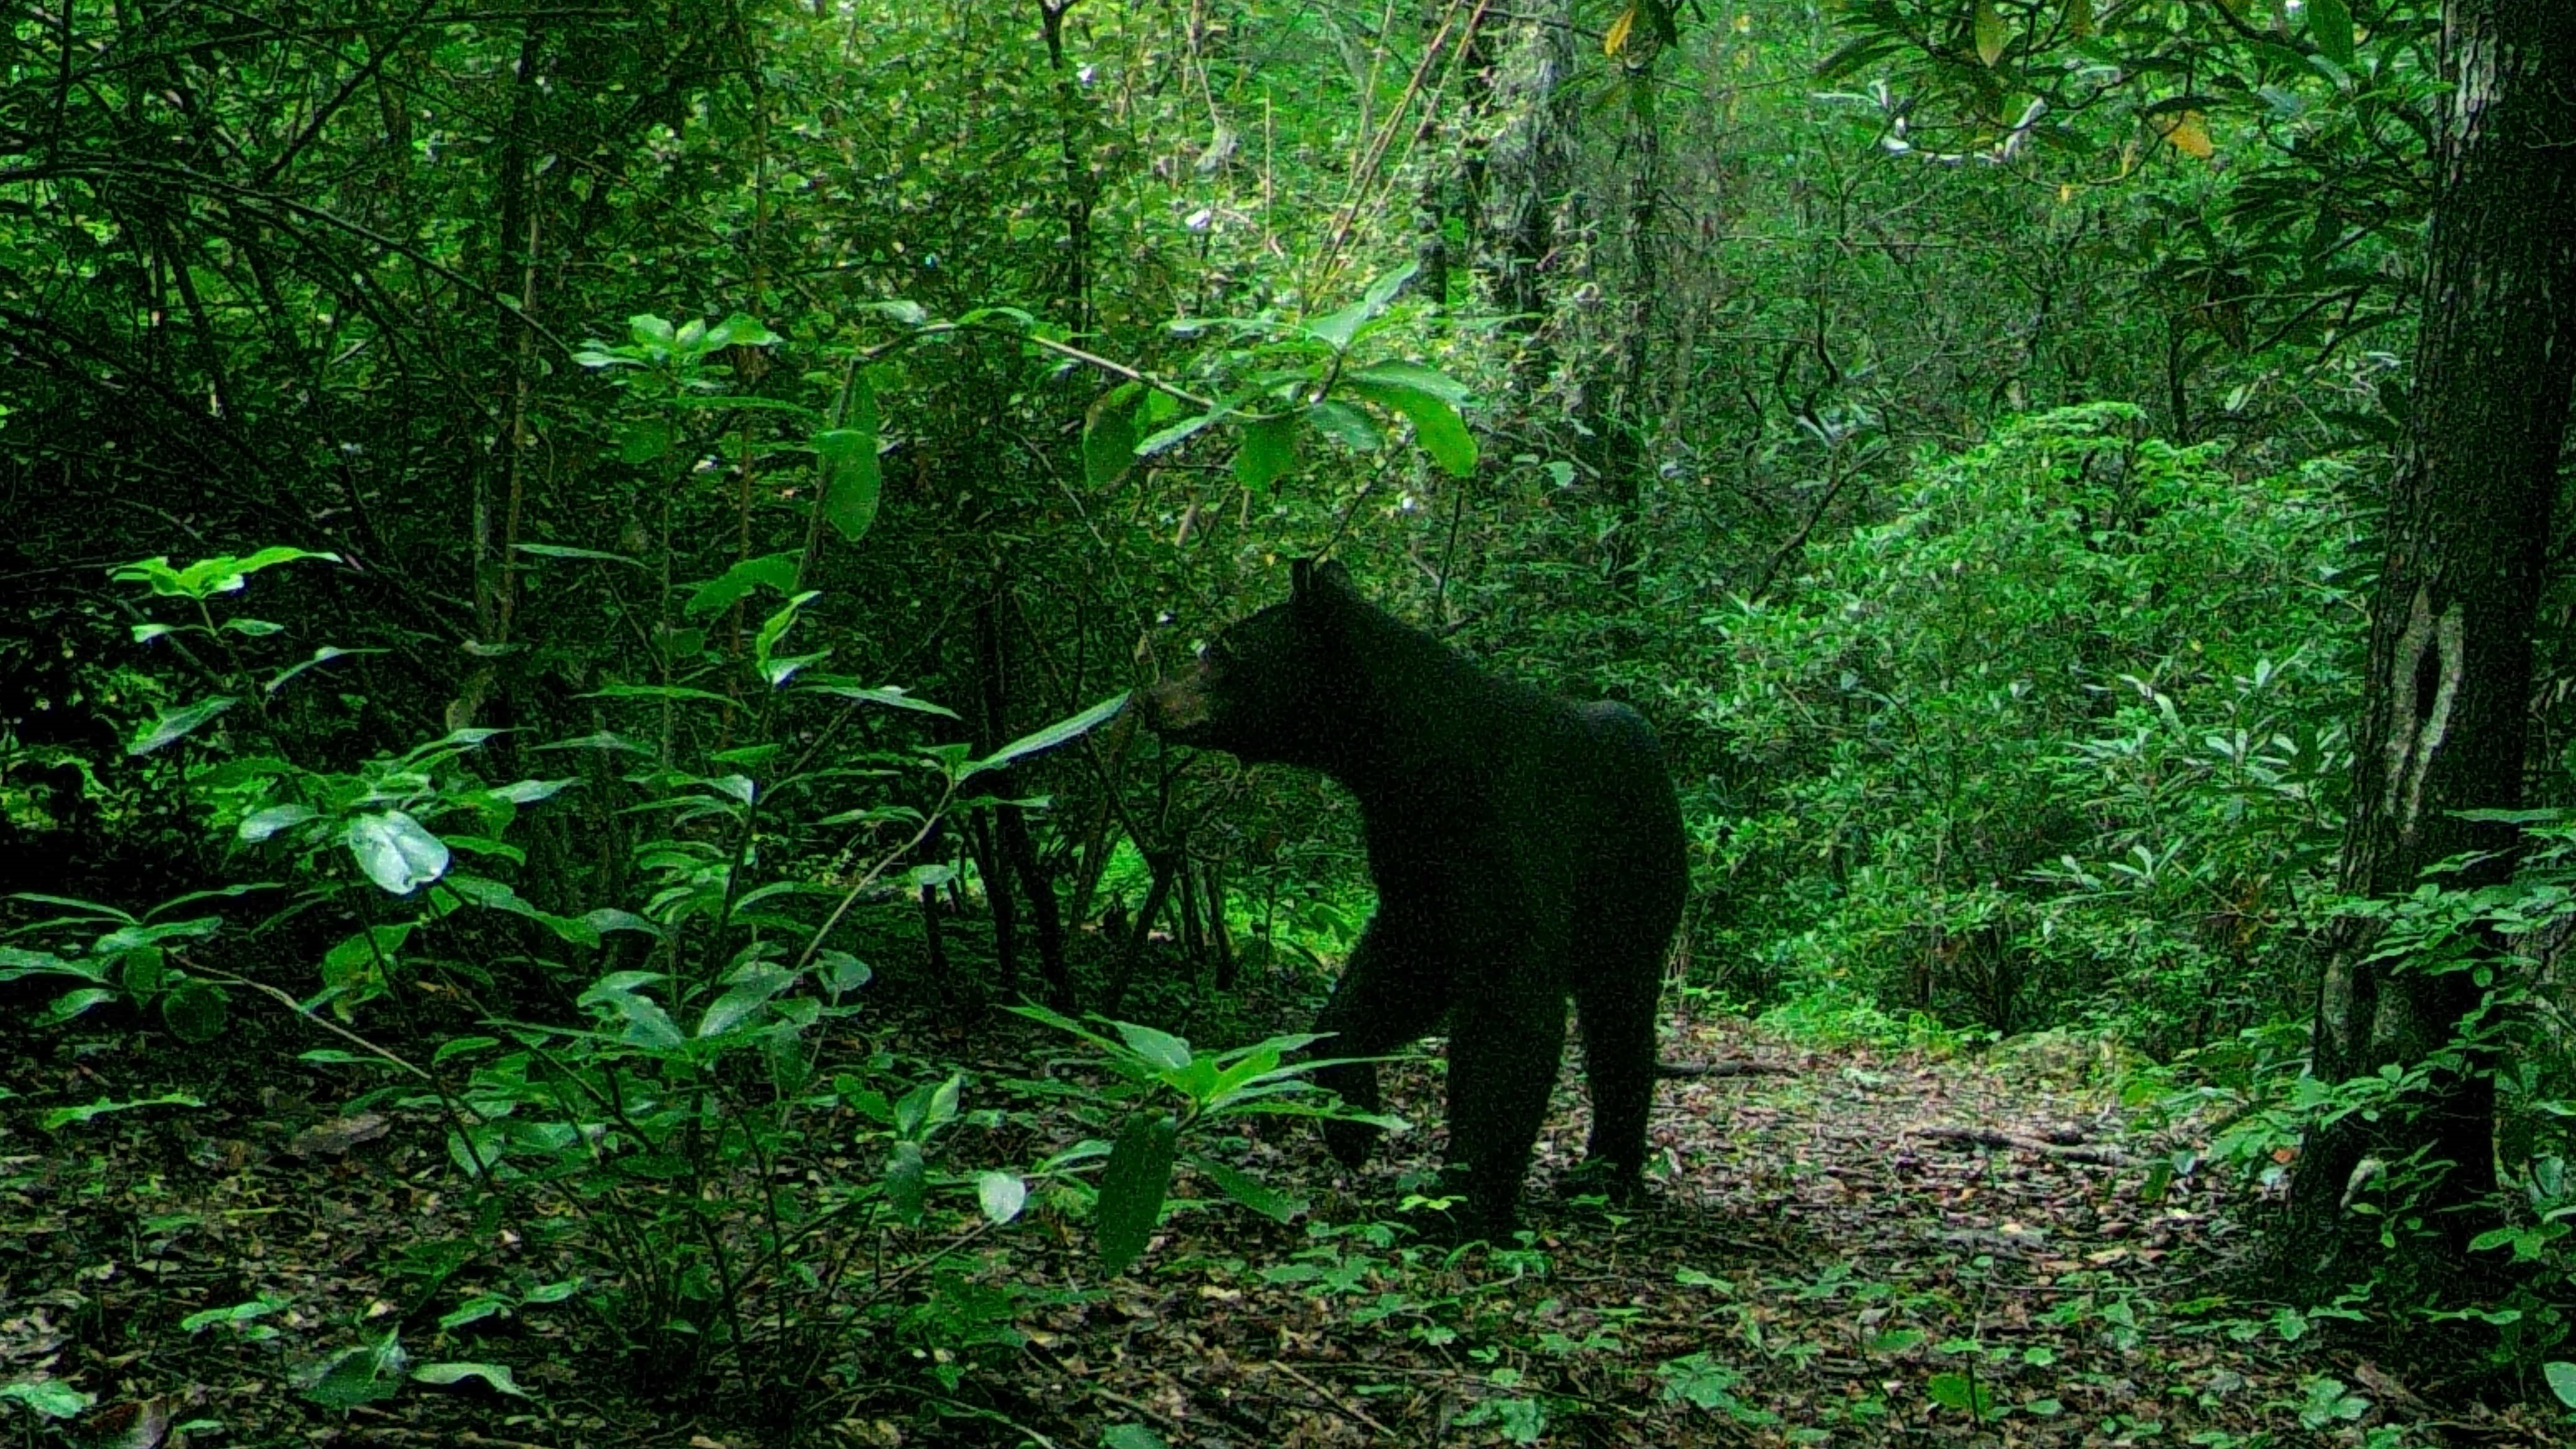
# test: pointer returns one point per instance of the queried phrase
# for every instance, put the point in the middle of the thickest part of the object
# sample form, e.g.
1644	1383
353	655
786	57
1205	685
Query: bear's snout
1178	706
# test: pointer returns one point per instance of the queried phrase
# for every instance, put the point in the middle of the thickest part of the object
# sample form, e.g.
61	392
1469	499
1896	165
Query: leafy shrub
2058	741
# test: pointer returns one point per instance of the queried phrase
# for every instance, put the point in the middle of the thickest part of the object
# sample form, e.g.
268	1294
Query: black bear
1524	848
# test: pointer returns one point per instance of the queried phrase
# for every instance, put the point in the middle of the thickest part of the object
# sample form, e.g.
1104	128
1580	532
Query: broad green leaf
1436	424
1240	1186
775	571
72	1003
1346	425
1268	451
1989	27
176	722
261	824
1131	1436
1166	1051
61	1117
1337	330
647	1024
16	962
1132	1188
2562	1381
1418	377
2330	26
143	970
396	852
906	1181
1166	437
1001	1195
196	1011
1109	436
1046	739
853	479
739	1002
252	628
496	1375
47	1398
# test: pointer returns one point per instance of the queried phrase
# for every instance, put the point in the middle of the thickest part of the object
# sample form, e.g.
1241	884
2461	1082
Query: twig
1990	1137
1734	1067
1355	1411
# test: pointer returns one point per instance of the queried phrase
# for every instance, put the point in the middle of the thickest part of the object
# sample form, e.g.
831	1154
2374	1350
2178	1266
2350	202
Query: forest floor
1846	1246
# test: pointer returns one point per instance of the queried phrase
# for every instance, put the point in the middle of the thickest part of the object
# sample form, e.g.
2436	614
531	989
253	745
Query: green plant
1167	1091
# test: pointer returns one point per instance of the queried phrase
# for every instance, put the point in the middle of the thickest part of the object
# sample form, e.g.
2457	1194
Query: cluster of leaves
2059	741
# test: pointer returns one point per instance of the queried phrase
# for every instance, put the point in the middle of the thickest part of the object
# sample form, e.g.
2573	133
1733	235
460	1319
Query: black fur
1524	848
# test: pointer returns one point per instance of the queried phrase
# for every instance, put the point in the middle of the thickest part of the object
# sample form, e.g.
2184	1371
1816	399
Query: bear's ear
1309	580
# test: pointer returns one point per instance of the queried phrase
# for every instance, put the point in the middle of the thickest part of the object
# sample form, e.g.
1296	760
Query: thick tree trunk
2447	691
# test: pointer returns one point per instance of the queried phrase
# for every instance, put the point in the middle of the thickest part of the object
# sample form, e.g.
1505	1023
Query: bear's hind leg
1617	1017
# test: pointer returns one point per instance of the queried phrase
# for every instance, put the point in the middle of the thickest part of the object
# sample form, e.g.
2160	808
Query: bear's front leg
1389	997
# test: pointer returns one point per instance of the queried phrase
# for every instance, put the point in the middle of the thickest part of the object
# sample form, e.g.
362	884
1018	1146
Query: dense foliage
578	566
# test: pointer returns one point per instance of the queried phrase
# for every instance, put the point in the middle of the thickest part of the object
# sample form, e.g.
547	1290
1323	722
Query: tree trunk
2447	693
1527	166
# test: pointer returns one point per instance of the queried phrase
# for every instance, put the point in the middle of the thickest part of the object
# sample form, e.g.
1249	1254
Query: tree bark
2447	692
1527	167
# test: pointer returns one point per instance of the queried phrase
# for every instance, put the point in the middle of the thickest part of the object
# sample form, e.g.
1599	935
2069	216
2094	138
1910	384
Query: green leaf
261	824
1132	1188
395	852
1418	377
1337	330
906	1181
323	655
1046	739
48	1398
196	1011
2330	26
1989	27
1166	437
1958	1391
1436	424
361	1375
1001	1195
496	1375
1268	451
1131	1436
2562	1381
1346	425
252	628
889	694
176	723
1241	1186
61	1117
853	480
1164	1050
775	571
1109	436
557	550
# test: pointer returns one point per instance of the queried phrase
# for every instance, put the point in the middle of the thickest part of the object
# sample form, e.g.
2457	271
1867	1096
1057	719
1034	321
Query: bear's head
1268	689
